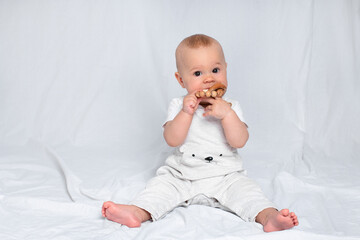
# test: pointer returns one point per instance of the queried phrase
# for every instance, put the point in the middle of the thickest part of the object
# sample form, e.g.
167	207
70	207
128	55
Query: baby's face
201	67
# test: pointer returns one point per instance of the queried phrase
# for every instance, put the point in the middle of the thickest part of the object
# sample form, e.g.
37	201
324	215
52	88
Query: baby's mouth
216	90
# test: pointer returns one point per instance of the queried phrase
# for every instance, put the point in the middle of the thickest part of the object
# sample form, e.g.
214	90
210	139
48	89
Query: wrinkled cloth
84	91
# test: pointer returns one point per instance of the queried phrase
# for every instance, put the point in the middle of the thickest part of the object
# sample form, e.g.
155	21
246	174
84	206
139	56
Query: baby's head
200	63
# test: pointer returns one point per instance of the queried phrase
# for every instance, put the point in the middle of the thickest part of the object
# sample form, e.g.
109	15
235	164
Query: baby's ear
179	78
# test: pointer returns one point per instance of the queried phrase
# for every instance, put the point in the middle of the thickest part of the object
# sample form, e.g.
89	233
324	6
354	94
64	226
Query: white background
91	80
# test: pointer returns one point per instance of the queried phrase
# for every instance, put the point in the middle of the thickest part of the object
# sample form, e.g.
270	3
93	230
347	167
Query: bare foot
129	215
274	220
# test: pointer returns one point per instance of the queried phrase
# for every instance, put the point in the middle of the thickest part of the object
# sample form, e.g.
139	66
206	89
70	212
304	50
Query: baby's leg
129	215
245	198
274	220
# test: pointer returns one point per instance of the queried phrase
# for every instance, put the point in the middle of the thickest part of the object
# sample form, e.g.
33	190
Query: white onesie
205	169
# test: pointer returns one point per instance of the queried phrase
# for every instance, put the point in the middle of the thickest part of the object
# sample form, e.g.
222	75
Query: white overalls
205	169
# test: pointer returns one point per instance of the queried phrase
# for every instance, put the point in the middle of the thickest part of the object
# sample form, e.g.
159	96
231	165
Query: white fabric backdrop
84	89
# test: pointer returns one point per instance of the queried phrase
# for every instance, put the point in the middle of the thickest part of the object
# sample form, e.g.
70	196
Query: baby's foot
129	215
280	220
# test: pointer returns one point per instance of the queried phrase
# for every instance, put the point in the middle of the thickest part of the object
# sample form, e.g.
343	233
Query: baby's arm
176	130
235	130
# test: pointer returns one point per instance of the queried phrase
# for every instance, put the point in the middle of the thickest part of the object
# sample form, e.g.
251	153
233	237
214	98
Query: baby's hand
219	108
190	103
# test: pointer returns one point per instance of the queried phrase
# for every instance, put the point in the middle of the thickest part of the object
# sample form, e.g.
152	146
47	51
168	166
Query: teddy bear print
208	158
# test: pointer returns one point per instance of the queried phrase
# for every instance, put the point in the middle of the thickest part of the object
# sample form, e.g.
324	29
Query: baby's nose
210	158
209	78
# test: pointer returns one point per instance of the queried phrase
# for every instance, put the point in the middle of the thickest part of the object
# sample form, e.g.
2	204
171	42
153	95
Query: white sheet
84	89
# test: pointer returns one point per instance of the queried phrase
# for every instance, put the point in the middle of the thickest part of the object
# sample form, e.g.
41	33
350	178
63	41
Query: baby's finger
209	100
197	103
208	113
208	108
194	93
192	103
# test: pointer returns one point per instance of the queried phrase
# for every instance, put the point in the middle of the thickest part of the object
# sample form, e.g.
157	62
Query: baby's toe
295	220
285	212
107	204
105	207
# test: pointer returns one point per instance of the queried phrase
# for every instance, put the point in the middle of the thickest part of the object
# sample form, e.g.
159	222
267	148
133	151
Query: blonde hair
195	41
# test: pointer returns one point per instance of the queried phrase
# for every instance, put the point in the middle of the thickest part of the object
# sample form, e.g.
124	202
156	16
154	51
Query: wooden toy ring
217	90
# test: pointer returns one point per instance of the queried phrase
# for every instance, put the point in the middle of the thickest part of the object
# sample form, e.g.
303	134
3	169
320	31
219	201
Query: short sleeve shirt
204	132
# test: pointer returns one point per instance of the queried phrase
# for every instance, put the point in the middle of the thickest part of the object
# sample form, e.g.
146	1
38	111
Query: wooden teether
217	90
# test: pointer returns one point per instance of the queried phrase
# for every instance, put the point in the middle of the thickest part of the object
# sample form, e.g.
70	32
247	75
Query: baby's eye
215	70
197	73
193	155
220	155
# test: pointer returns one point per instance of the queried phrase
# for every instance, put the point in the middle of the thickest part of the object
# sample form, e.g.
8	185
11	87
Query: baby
205	167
